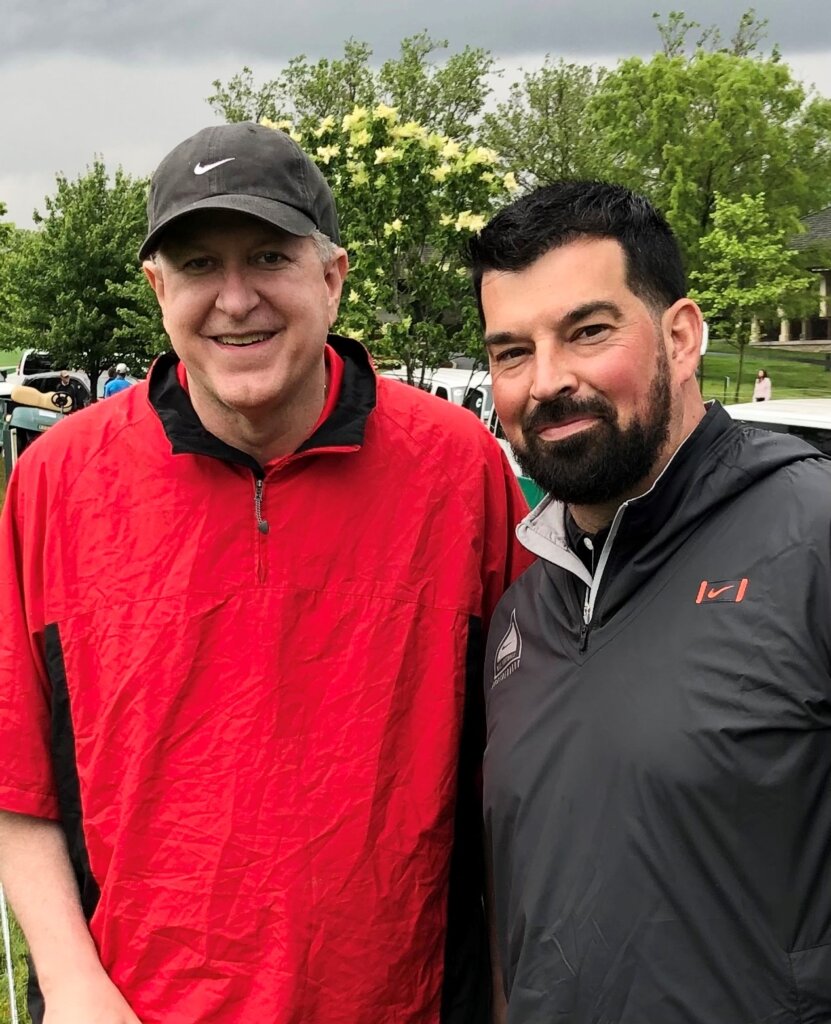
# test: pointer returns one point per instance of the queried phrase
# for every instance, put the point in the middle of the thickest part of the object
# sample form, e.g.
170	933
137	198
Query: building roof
817	230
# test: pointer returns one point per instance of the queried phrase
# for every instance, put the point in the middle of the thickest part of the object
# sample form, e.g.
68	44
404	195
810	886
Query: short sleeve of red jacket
26	779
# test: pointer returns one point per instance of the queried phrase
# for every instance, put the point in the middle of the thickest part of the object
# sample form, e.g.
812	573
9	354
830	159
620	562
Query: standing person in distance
762	387
118	383
239	769
659	682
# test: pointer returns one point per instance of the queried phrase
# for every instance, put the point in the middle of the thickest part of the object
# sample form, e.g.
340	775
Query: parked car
449	383
31	361
479	399
808	418
34	361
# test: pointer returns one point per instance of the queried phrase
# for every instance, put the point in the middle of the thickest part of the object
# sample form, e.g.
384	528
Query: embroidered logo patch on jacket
722	590
508	653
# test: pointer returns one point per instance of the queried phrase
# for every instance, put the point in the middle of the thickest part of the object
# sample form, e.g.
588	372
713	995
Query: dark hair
565	211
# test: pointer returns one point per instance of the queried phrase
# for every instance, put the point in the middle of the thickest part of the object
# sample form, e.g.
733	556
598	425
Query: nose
554	374
237	296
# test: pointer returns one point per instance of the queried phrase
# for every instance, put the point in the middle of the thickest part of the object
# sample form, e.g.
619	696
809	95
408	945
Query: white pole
7	942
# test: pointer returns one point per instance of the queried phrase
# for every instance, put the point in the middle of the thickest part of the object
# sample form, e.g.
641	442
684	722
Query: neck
268	434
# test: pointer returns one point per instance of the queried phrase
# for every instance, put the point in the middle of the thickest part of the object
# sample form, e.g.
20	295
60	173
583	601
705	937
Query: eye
270	258
592	332
197	263
509	355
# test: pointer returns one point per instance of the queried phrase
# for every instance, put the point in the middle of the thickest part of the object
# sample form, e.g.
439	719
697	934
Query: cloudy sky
128	80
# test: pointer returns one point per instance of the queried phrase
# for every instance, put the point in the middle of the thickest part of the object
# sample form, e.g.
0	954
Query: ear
334	274
153	273
682	325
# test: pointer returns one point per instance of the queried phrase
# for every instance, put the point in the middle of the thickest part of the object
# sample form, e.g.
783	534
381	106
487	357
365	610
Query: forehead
220	227
580	272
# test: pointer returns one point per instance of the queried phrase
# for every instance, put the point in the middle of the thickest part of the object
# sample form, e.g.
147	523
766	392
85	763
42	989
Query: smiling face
586	382
247	308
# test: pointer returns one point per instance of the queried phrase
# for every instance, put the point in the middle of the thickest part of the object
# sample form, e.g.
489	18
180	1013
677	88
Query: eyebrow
573	316
591	309
186	244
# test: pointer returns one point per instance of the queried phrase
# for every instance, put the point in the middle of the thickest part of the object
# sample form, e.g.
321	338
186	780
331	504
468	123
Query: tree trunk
742	345
93	372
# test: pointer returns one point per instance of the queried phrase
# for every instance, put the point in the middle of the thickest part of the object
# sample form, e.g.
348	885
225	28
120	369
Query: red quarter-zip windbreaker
252	698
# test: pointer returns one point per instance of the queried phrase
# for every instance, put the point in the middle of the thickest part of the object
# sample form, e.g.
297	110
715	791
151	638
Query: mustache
559	409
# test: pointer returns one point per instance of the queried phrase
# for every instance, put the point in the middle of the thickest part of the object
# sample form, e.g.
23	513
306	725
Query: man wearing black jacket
658	683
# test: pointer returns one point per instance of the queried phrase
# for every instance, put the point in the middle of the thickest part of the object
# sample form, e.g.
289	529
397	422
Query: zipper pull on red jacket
262	525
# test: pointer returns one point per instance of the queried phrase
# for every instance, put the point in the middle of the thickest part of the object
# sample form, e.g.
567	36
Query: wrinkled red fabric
266	725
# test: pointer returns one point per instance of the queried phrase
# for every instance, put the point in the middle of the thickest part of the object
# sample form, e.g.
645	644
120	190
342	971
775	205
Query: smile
242	340
565	428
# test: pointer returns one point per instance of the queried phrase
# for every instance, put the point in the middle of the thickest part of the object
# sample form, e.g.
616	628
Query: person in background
118	383
240	763
761	387
67	385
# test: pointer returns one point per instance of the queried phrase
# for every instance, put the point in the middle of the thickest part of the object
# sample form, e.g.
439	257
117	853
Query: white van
446	382
808	418
31	361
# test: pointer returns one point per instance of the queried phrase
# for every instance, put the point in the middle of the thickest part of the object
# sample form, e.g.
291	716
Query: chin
247	400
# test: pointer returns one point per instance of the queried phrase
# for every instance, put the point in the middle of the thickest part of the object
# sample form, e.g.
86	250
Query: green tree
140	334
445	96
747	272
7	228
68	280
683	127
7	240
408	200
676	28
13	243
544	130
302	92
241	100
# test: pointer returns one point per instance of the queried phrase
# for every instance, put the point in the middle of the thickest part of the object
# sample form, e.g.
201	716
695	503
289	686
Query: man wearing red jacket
239	765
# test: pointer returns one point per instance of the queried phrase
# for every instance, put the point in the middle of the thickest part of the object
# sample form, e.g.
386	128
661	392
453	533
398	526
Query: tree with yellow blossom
408	201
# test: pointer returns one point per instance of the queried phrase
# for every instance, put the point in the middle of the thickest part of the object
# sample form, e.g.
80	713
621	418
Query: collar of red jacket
343	429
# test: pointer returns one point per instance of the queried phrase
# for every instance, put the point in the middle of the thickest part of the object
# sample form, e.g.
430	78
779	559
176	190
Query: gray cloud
278	30
129	81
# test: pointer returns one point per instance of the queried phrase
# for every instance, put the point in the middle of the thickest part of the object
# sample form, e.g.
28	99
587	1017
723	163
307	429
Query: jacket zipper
262	528
585	625
262	524
591	592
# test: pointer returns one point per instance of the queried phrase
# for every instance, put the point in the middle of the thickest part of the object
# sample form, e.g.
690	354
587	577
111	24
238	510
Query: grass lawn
791	377
20	976
9	358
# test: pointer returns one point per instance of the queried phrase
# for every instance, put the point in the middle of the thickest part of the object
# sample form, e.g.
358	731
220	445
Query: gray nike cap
243	167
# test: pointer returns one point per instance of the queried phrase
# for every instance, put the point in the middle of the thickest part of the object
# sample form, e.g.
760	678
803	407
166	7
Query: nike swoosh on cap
201	168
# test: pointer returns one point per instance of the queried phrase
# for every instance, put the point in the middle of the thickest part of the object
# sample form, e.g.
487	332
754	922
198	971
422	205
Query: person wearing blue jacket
118	383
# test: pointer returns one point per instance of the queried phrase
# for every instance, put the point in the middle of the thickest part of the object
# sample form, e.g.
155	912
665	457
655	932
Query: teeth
239	340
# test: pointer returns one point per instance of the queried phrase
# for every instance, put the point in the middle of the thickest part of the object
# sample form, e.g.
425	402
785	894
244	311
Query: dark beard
603	462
